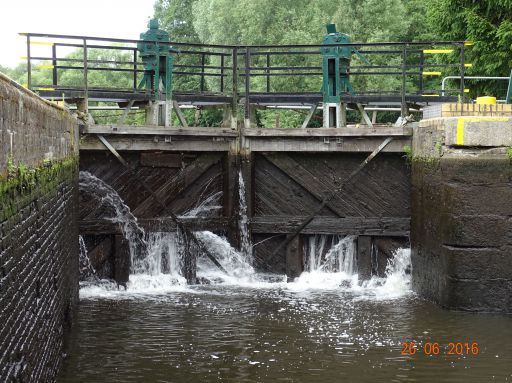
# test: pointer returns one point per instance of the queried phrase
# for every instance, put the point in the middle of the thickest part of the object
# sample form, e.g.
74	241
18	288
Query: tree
488	24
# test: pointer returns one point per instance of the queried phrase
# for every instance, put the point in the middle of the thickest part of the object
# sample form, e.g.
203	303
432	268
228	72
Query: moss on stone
509	153
408	153
23	184
429	162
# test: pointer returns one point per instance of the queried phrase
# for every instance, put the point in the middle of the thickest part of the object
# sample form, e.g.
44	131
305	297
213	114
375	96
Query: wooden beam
179	114
376	131
307	180
165	224
125	112
364	115
155	131
309	116
364	257
158	143
325	144
161	160
294	258
374	226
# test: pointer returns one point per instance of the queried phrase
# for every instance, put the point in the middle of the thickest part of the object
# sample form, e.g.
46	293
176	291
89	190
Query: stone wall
461	228
39	233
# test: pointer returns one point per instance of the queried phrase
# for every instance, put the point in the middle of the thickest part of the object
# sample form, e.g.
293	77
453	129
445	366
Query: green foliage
408	155
248	22
489	26
509	153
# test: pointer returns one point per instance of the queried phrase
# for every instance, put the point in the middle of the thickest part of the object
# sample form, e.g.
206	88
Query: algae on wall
22	184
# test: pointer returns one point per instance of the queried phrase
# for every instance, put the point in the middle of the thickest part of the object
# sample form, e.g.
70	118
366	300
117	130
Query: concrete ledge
475	131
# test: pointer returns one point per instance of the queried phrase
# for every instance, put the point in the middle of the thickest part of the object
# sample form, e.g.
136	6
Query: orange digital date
434	348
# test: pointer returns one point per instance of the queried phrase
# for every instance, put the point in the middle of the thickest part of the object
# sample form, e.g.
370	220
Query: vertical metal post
268	73
202	71
54	65
29	67
222	73
422	64
404	58
247	87
135	70
462	69
234	100
86	86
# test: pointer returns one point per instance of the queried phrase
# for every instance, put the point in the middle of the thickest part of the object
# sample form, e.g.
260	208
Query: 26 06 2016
436	348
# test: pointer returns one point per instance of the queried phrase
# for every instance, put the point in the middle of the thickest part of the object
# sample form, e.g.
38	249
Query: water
246	246
120	214
251	327
87	271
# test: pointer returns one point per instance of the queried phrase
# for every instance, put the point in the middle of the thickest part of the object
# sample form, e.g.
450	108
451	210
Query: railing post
404	69
247	121
462	86
29	66
54	65
268	73
422	63
135	70
234	100
202	71
222	73
86	85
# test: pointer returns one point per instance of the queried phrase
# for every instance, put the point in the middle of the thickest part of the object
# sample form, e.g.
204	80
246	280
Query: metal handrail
255	62
443	82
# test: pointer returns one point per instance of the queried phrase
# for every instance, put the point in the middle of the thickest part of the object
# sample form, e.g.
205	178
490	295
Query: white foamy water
246	246
121	214
329	260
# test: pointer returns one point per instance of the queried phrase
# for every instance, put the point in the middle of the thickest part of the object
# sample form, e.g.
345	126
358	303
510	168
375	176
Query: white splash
246	246
328	269
203	209
330	260
86	270
111	200
397	280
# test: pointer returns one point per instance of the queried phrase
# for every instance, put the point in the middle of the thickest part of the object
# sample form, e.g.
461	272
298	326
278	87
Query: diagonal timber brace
202	248
364	115
329	197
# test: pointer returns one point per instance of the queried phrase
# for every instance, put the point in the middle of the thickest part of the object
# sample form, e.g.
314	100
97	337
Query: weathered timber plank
375	226
364	257
255	144
376	131
105	226
381	190
208	184
324	144
121	143
167	160
170	189
294	258
275	194
310	182
155	131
